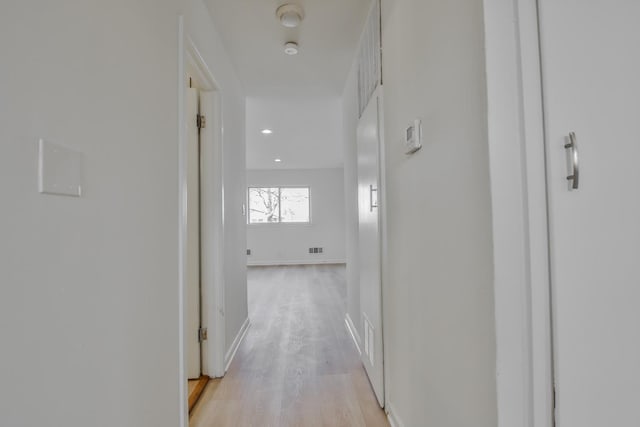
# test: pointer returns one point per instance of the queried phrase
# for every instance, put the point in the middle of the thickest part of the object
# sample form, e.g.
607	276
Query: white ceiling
255	41
307	132
296	96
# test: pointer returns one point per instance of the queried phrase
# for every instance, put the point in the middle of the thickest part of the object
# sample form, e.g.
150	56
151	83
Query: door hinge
202	334
201	121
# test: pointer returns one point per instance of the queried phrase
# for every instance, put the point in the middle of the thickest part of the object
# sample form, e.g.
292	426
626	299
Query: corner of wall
393	417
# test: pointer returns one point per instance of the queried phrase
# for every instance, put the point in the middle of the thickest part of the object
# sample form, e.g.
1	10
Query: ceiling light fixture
290	15
277	160
291	48
266	131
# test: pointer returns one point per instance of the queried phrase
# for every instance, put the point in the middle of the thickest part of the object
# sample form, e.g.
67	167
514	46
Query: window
294	205
278	205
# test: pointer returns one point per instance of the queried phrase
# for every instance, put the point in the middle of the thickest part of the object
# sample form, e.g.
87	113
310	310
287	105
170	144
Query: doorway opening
201	226
295	211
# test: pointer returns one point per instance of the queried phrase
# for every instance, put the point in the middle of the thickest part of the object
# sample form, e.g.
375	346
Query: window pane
263	205
295	204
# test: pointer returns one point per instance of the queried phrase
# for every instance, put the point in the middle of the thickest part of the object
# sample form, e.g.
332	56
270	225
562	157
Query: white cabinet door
370	253
590	52
193	236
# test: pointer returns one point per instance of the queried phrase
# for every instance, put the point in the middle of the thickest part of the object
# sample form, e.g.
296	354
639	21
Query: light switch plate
413	137
59	170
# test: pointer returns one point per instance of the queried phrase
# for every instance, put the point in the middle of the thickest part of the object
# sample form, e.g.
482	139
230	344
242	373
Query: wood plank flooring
297	365
196	388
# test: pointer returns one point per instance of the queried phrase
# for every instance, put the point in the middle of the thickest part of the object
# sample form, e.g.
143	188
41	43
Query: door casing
193	312
524	373
212	225
211	214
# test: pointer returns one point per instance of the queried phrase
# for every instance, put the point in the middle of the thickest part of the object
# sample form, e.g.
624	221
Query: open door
369	146
211	236
193	236
590	66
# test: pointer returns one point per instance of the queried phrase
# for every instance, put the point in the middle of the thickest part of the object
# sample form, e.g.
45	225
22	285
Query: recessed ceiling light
267	131
291	48
277	160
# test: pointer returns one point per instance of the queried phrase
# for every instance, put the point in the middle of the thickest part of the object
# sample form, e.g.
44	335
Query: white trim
231	353
384	254
535	157
212	215
204	74
393	417
182	233
299	262
214	286
353	332
519	207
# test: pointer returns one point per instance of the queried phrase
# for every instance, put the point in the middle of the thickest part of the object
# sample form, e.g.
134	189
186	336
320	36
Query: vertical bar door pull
574	176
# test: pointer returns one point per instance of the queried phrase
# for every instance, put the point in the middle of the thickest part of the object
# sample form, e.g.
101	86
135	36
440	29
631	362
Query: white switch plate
59	170
413	137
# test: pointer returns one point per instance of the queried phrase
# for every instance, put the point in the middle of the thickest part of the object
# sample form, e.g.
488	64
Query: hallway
297	365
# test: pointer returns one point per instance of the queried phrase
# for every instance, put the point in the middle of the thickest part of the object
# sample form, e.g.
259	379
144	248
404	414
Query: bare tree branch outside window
264	205
279	205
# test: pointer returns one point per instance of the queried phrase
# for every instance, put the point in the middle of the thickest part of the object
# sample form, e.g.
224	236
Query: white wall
439	308
350	129
281	244
89	286
199	26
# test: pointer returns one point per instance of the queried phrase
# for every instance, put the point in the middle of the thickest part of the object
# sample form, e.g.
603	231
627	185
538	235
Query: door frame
385	283
523	315
211	220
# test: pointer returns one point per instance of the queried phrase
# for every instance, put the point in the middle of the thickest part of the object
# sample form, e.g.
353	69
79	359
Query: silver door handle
575	172
371	204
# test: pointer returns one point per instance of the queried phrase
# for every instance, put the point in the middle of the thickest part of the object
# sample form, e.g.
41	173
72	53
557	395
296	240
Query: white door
590	52
370	278
193	236
211	236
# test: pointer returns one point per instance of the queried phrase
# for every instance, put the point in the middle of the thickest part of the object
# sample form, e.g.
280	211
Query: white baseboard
298	262
353	331
228	358
393	417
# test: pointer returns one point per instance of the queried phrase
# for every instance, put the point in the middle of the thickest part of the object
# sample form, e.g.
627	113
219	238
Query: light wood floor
192	386
297	365
196	388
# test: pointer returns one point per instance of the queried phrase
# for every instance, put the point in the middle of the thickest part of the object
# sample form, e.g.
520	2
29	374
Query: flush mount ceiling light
277	160
290	15
291	48
266	131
